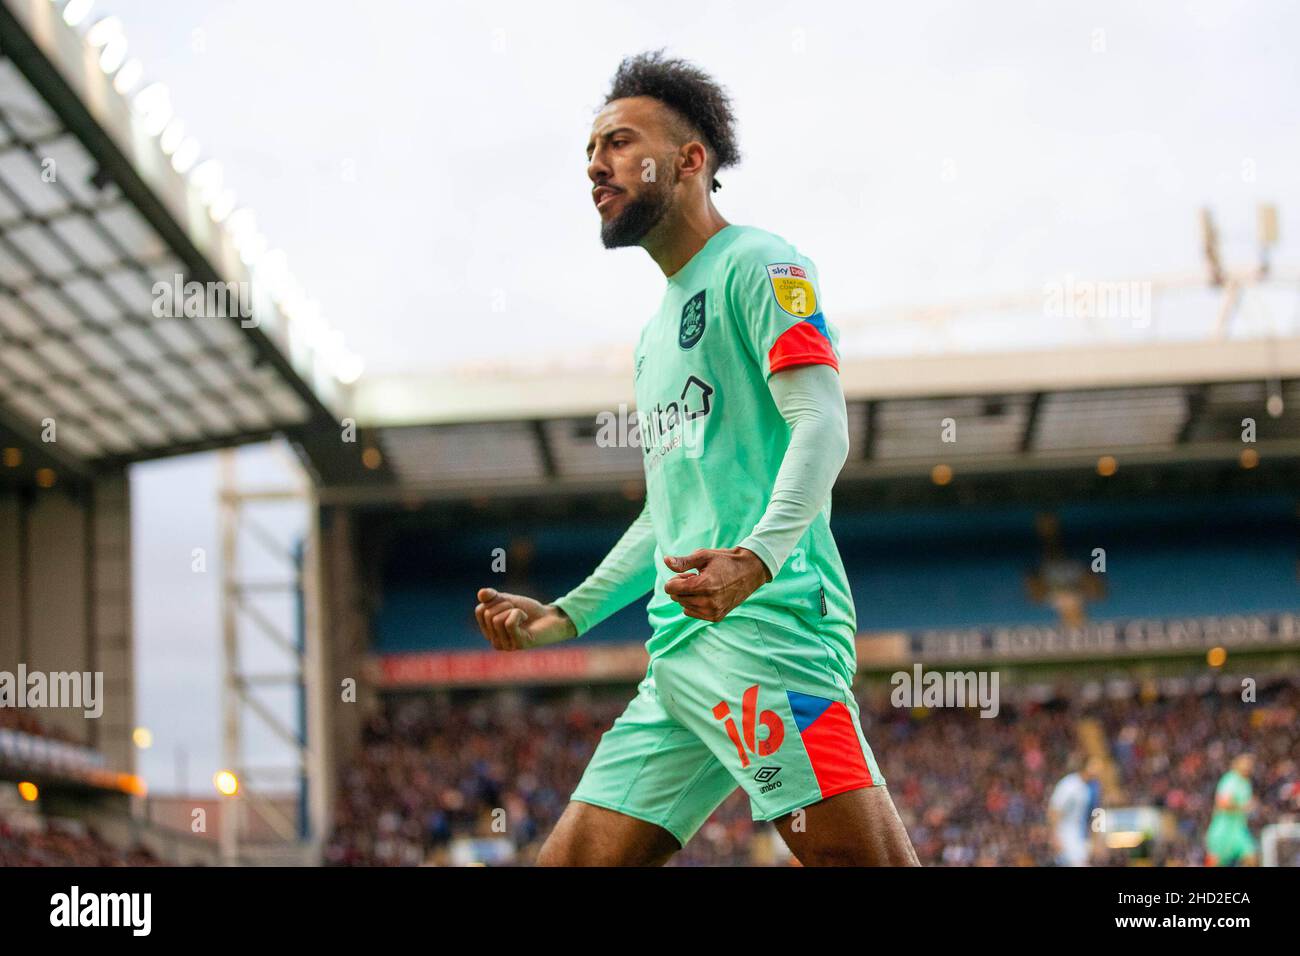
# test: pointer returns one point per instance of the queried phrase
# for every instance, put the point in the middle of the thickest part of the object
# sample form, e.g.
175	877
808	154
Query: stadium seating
908	570
971	791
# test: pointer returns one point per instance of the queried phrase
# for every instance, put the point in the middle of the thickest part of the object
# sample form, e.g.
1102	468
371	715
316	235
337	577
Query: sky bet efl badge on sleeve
793	289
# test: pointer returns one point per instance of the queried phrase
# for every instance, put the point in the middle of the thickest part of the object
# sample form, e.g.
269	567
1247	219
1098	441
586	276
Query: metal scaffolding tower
293	637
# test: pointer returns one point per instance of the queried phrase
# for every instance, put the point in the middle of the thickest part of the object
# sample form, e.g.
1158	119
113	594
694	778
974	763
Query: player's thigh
648	788
774	706
588	835
854	828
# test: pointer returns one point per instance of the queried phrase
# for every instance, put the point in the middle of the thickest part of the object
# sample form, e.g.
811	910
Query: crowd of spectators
30	840
56	842
22	720
1172	753
499	768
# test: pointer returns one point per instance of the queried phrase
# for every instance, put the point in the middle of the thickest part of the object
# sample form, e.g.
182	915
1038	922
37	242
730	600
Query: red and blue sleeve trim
804	343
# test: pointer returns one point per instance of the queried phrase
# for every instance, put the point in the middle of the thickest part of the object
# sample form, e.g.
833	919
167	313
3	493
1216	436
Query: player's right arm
514	622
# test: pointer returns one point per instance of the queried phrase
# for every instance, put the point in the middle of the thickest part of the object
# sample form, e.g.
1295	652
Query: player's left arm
779	319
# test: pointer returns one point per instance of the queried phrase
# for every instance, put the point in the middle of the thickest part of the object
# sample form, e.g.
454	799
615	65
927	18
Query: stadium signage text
620	662
1104	638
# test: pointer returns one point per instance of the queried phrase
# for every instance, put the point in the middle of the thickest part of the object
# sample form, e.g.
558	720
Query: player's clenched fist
727	576
512	622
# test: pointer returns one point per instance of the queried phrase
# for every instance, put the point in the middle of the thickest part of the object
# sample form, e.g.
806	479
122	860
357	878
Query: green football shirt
1237	789
712	438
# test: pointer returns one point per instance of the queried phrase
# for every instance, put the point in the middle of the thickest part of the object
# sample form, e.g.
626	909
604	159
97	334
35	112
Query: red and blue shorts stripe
832	743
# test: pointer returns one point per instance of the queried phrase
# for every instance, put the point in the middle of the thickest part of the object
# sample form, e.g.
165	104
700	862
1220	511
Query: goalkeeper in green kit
1228	841
743	430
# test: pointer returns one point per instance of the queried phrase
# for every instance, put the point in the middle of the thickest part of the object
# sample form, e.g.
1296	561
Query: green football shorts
1229	840
743	702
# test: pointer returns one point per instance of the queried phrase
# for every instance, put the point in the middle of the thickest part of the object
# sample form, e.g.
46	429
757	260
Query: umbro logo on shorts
767	777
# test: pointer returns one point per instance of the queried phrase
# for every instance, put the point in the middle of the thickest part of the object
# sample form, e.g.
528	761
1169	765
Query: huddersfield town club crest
692	321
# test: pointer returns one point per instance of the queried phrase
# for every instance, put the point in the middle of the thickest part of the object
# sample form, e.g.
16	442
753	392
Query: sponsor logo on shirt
679	423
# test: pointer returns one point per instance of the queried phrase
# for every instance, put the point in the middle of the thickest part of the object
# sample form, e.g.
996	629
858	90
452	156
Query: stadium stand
63	842
971	791
1177	557
434	767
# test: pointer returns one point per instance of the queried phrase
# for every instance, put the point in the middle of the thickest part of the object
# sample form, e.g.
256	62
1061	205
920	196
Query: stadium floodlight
153	104
187	153
113	56
207	178
270	274
348	367
104	31
172	137
76	11
329	345
241	226
290	295
107	36
337	356
1275	405
222	206
308	331
251	249
307	322
128	78
226	782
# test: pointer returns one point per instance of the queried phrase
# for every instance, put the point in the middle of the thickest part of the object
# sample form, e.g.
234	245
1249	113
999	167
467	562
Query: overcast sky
421	162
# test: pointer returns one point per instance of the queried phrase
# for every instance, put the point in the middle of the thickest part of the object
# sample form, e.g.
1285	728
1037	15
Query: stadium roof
101	200
1171	392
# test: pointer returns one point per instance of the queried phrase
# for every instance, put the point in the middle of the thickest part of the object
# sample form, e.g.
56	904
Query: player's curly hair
693	95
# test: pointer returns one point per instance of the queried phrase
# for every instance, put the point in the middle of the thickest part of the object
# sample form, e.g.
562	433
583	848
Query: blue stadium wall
916	570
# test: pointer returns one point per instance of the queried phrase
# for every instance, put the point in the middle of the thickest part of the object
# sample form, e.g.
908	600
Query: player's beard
638	217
